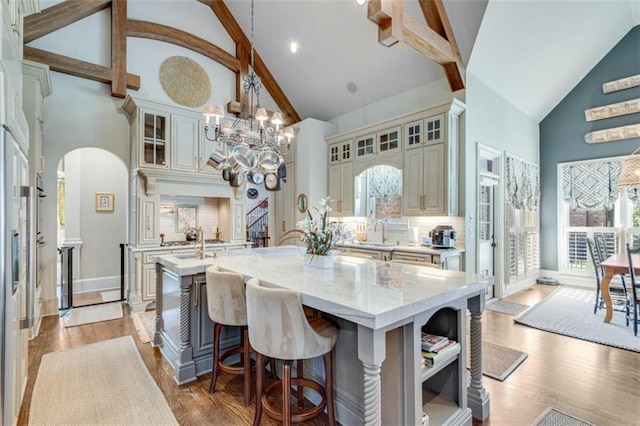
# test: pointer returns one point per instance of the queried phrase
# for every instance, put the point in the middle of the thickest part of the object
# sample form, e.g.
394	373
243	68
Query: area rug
143	322
91	314
553	417
504	307
110	296
104	383
498	362
569	311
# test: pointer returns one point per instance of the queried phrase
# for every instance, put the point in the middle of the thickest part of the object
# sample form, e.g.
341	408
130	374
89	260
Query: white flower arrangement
319	236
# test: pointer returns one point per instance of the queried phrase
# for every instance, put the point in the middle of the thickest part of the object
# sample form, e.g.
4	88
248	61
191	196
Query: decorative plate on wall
252	193
185	81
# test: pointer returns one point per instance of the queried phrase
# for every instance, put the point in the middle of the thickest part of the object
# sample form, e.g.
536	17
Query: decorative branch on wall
613	134
623	83
613	110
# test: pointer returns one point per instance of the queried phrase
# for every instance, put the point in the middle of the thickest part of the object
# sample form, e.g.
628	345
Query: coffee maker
443	236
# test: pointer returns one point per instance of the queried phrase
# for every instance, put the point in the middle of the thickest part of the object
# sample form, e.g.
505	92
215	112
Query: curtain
523	184
591	186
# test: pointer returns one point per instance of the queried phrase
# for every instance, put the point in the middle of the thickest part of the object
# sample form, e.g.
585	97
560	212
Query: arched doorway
92	227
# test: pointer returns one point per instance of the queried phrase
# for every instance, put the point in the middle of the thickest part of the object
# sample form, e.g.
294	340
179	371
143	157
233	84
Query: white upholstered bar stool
227	305
278	328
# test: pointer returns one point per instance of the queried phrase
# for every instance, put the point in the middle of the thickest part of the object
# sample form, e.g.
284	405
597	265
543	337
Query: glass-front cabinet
154	147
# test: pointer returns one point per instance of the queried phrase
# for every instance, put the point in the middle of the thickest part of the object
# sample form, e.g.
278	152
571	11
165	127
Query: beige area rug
499	361
91	314
553	417
143	322
104	383
110	296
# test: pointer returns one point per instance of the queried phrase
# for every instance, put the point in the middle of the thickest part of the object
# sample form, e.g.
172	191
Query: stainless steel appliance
443	236
17	263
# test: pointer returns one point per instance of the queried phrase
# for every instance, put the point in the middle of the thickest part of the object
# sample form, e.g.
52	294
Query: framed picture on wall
104	201
186	217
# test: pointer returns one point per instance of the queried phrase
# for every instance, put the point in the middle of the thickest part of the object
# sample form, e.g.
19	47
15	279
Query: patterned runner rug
104	383
504	307
143	322
553	417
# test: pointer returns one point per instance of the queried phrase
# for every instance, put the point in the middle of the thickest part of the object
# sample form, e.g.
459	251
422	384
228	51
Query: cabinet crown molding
41	72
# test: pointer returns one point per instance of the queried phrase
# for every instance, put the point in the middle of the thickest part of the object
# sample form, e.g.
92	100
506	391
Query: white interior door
486	234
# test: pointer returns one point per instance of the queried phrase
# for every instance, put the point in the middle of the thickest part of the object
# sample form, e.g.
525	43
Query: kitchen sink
193	256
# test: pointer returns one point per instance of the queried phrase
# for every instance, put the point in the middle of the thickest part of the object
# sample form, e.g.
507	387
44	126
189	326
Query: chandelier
251	146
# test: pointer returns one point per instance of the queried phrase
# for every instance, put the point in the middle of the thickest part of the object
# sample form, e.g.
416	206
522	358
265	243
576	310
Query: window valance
523	184
591	186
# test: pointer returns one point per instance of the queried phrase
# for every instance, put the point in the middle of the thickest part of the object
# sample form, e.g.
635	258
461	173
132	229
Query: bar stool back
227	306
278	328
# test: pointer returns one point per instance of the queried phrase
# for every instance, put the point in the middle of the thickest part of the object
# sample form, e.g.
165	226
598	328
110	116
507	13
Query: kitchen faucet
200	239
384	234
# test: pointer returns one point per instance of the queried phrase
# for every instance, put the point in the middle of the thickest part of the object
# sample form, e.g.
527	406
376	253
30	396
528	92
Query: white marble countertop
194	246
399	247
372	293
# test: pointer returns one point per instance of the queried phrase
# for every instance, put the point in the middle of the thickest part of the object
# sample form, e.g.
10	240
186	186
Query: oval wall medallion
185	81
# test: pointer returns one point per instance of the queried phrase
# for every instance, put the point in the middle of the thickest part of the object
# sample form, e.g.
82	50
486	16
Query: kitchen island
380	307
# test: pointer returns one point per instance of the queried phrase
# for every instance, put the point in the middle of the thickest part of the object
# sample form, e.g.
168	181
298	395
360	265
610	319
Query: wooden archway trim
184	39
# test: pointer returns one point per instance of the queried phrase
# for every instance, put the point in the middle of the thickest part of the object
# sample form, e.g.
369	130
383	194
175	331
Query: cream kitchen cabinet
340	188
169	139
341	152
384	141
431	163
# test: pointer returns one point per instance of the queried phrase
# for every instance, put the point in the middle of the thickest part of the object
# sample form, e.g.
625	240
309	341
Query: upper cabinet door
185	136
340	152
365	145
154	146
389	140
434	130
414	134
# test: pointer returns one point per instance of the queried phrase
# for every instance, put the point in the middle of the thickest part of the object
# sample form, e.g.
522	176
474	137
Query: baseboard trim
49	307
96	284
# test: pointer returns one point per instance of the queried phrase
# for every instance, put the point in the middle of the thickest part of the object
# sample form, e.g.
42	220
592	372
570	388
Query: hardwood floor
596	383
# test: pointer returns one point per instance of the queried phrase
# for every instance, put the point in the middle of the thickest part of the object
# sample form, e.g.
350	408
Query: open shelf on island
428	372
440	409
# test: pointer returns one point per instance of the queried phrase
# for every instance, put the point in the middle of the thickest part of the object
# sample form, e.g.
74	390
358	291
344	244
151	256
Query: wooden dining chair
635	289
617	286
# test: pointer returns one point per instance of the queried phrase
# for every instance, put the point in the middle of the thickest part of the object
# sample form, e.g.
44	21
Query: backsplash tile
207	216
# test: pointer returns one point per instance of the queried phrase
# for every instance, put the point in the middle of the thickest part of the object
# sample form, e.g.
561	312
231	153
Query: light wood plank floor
594	382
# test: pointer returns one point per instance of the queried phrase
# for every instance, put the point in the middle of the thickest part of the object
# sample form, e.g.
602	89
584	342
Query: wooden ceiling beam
181	38
426	41
60	15
119	48
435	39
437	19
78	68
388	15
229	23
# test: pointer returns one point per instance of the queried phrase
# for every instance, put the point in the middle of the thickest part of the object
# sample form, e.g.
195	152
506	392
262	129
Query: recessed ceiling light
361	2
293	46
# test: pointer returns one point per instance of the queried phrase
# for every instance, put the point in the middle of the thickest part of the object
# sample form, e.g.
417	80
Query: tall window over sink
591	205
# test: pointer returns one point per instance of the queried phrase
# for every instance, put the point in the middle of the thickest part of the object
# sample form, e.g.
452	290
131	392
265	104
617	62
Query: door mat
104	383
498	362
143	322
110	296
504	307
553	417
569	311
91	314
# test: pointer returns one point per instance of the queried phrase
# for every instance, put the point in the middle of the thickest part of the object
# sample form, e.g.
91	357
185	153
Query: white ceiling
339	45
533	53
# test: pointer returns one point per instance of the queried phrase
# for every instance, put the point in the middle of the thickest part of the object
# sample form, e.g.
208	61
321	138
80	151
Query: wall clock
252	193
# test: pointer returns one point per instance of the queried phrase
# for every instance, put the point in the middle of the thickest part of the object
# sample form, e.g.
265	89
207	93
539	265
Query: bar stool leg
328	372
259	387
286	393
246	352
300	390
216	356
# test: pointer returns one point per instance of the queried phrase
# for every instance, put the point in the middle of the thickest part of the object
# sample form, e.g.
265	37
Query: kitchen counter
185	245
399	247
380	308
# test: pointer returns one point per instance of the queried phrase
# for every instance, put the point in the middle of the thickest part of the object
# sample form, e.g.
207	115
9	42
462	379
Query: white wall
492	121
421	97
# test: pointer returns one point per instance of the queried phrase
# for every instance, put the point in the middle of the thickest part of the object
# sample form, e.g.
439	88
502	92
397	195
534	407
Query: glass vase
317	261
